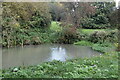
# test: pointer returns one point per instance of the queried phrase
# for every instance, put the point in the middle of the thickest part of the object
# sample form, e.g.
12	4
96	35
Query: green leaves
101	18
104	47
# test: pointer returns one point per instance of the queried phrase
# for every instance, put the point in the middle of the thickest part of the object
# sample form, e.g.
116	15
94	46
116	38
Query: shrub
98	36
68	35
36	40
39	21
90	23
112	36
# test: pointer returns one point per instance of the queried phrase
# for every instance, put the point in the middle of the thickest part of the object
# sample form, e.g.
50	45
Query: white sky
62	1
117	2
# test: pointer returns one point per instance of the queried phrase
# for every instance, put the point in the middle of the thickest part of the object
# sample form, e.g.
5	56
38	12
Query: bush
19	19
68	35
39	21
98	36
112	36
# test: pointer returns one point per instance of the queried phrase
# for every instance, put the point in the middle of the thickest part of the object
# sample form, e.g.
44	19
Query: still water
32	55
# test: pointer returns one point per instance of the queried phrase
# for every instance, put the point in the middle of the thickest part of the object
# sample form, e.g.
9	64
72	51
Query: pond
33	55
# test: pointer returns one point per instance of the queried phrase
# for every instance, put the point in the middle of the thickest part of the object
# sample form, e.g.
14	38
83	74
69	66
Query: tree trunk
118	29
118	37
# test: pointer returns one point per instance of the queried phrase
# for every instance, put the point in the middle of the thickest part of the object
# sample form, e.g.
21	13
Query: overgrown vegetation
19	19
101	19
35	24
30	23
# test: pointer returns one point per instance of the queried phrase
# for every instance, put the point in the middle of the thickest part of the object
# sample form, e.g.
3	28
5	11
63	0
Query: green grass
101	47
83	43
55	26
90	31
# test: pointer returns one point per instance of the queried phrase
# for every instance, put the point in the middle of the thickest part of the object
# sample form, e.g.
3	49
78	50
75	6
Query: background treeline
37	23
20	18
90	15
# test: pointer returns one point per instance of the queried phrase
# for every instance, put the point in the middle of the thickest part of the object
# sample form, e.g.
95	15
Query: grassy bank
104	66
101	47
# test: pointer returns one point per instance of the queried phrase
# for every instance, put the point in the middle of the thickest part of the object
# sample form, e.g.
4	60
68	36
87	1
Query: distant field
55	26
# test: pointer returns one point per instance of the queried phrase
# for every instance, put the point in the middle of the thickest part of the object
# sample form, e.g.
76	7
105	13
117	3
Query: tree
76	11
42	14
115	21
118	29
17	18
57	11
28	12
101	17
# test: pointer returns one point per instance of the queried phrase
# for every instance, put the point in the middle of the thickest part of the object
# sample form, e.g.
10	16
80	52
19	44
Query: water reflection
58	53
32	55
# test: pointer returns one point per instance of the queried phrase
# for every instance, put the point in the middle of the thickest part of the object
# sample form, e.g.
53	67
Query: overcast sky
117	2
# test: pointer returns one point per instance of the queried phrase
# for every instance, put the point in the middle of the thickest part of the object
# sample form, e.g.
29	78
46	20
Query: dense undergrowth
19	29
56	34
